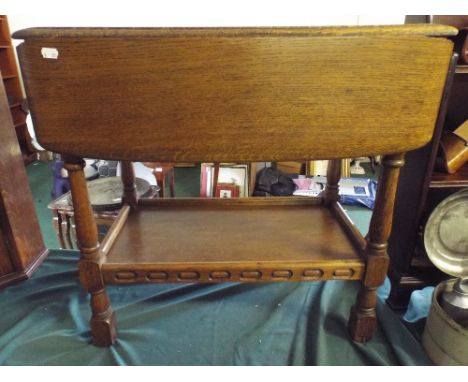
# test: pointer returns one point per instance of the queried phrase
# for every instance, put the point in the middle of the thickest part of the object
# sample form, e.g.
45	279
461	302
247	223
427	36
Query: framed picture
227	190
232	174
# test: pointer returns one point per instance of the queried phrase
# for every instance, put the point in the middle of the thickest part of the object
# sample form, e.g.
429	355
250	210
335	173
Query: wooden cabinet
11	82
21	245
421	189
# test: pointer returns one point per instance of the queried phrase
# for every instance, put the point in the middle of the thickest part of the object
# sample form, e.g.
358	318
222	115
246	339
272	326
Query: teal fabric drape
44	321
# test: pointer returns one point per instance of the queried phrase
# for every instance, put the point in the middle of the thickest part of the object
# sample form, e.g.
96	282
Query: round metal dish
446	235
106	193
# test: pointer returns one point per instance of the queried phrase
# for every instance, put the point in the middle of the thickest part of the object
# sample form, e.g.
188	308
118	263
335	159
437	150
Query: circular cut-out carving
313	273
125	275
159	275
282	274
343	273
220	275
189	275
251	274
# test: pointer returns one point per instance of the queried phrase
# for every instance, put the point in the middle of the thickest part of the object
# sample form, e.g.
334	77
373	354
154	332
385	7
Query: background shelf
459	179
14	92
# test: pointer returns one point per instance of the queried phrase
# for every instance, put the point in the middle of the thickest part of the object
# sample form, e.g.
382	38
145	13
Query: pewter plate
446	235
106	193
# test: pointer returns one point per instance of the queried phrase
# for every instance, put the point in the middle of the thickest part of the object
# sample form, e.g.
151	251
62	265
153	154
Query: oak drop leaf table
234	95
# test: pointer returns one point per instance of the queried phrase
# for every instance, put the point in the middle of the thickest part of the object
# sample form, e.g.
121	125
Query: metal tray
106	193
446	235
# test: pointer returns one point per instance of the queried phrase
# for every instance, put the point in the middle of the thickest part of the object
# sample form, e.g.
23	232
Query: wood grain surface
71	32
234	95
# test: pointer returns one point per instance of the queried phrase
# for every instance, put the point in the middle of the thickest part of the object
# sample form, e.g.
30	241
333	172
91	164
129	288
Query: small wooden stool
105	200
161	171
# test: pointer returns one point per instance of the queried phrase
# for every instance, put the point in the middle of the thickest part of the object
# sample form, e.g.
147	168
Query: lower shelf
217	240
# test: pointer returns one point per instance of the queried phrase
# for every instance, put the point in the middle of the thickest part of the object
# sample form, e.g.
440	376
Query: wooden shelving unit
421	188
22	248
11	82
443	180
462	69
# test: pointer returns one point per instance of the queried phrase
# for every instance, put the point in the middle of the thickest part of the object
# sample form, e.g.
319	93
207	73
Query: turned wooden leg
363	320
171	181
215	178
130	195
103	323
161	181
331	192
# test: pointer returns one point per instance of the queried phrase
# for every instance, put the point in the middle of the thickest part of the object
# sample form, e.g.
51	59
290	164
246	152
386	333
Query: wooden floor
211	242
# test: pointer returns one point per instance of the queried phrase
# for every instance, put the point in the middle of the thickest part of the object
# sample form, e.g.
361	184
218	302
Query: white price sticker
50	53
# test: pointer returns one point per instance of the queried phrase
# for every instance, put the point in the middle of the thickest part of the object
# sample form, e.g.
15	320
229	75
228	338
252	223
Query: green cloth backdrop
44	321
